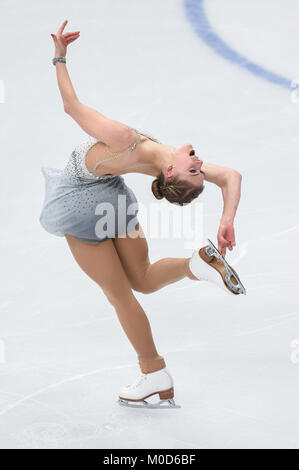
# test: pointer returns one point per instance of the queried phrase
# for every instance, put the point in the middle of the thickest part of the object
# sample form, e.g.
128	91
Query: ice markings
195	13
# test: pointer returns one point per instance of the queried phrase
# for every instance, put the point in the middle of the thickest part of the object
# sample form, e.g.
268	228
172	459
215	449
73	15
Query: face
186	165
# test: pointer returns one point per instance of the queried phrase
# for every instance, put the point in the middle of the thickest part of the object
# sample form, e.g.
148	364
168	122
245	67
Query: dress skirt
92	211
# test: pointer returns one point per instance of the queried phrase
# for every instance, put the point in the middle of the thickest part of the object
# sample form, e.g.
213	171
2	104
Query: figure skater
78	202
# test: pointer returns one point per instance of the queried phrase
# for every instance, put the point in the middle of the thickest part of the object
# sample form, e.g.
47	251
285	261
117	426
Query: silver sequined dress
89	207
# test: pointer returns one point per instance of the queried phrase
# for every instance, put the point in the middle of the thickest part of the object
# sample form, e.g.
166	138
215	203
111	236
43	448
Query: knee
118	297
142	286
143	283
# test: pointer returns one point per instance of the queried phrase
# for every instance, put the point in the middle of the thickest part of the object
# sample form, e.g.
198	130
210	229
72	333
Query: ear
169	171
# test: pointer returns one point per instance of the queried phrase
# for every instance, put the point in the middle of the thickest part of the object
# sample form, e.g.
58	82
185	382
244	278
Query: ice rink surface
235	360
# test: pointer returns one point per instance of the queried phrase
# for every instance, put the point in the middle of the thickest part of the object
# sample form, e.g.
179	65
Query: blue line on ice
196	14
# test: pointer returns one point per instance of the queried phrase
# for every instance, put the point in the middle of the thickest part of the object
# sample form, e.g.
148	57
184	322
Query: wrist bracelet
58	59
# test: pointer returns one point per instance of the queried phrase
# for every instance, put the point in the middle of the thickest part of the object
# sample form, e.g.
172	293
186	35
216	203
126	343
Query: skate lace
138	381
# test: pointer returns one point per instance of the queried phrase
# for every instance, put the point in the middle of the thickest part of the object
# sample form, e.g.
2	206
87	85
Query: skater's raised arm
231	193
61	42
229	181
116	135
217	174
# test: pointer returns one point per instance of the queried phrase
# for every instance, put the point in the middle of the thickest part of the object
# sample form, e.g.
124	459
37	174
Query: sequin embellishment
76	166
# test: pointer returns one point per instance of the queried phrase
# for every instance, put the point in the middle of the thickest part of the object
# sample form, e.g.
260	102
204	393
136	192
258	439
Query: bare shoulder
100	151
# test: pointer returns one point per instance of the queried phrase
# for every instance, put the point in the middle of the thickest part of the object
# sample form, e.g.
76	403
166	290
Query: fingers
231	244
66	35
62	27
223	245
221	241
66	38
71	40
221	249
72	37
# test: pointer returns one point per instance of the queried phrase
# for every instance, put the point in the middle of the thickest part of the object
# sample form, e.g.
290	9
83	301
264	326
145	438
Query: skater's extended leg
144	276
102	264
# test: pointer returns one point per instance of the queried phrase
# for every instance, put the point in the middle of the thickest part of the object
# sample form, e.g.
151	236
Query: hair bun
156	189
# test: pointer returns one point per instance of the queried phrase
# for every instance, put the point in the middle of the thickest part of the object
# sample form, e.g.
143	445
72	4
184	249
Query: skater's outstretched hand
61	40
226	237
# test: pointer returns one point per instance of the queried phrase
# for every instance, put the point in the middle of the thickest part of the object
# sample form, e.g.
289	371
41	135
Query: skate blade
170	403
236	289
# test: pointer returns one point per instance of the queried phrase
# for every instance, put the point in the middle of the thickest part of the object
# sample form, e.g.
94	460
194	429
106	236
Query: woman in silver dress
110	246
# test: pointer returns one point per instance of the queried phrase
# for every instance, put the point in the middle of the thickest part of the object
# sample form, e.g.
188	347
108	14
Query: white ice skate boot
205	265
146	385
